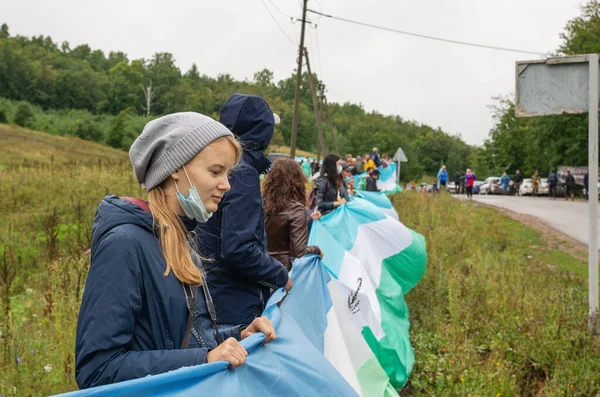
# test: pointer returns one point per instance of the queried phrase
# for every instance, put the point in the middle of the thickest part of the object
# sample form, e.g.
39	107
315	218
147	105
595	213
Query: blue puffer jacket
133	319
242	274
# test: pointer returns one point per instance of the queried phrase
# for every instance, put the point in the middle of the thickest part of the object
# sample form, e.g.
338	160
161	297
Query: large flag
342	331
381	200
376	261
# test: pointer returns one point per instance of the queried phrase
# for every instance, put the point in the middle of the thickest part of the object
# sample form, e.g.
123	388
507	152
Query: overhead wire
277	23
423	36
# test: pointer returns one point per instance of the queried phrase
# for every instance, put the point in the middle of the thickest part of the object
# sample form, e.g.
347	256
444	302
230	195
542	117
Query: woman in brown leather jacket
286	217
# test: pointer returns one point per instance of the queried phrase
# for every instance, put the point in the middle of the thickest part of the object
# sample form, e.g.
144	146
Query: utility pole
313	91
330	122
298	81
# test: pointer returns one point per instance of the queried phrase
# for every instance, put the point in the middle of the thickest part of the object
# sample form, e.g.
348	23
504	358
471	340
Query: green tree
4	31
118	132
24	116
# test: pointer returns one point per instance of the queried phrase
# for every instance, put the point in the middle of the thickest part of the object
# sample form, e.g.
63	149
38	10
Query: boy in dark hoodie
241	274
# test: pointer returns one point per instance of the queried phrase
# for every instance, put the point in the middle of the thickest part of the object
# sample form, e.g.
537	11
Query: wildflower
31	351
455	274
462	379
500	379
89	251
19	360
48	367
498	395
498	363
477	333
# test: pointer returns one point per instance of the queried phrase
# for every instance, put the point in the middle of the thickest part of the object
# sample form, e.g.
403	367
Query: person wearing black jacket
457	182
570	184
372	181
330	190
517	182
553	181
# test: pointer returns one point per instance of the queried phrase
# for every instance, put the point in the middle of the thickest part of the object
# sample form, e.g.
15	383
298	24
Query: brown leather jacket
287	235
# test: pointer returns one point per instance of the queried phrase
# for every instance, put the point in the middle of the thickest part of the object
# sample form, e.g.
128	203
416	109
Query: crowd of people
464	183
178	280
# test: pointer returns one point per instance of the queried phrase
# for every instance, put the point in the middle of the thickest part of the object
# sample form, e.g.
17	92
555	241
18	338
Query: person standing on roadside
535	183
505	182
457	182
442	177
517	183
469	182
570	184
552	181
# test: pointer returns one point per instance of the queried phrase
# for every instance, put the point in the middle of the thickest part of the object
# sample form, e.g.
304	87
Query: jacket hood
114	211
251	119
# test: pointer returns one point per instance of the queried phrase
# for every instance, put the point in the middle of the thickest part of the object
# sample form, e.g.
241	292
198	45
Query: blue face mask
192	206
348	179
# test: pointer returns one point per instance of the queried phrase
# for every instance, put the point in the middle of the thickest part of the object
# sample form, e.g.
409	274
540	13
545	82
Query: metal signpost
568	85
400	158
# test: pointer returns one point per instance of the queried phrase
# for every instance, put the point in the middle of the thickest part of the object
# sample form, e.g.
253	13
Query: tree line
108	98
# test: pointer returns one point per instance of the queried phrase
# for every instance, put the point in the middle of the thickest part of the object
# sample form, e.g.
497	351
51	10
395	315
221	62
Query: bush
3	116
88	130
24	116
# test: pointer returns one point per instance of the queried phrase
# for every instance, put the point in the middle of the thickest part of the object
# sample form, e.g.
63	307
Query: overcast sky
440	84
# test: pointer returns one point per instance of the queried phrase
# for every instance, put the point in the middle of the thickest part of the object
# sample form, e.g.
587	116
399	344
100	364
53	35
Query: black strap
190	292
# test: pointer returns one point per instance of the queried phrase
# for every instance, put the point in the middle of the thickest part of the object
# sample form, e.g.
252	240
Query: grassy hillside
19	146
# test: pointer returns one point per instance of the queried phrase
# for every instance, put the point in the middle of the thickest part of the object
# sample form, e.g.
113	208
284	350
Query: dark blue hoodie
132	318
242	273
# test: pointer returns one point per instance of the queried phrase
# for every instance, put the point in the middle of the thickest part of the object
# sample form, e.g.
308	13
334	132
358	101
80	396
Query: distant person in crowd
286	220
462	183
375	157
306	168
469	183
536	180
434	187
442	177
505	183
330	192
145	304
359	165
315	167
369	163
385	160
349	157
517	183
570	185
241	274
457	182
347	174
586	184
553	182
372	181
413	186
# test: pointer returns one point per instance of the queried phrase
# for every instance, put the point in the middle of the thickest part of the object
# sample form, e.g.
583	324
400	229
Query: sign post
400	158
568	85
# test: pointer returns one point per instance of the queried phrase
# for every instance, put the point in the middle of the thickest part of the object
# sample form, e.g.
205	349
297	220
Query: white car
526	188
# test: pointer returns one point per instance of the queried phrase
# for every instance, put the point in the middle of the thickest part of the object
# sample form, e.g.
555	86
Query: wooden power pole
330	123
298	81
313	91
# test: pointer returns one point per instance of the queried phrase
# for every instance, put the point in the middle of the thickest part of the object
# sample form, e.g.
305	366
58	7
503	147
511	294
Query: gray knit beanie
168	143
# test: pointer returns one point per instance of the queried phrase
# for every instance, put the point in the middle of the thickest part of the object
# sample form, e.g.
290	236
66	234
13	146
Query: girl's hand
230	351
260	324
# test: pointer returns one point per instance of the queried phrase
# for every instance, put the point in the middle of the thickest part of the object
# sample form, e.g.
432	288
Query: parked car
526	188
451	187
545	189
491	186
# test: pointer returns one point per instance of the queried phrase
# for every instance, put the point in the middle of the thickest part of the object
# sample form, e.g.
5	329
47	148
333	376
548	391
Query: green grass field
499	312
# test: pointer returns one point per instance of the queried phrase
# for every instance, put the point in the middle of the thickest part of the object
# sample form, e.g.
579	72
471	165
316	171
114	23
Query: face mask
192	205
339	169
348	179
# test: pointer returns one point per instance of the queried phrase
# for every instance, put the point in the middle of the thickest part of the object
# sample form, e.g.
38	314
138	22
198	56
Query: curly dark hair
285	184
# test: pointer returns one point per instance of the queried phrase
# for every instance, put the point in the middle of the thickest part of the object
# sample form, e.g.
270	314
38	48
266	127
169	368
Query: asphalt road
568	217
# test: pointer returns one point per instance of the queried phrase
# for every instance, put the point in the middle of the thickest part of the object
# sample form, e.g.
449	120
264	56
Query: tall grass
491	317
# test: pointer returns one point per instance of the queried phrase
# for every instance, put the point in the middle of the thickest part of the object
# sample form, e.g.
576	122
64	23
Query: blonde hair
173	235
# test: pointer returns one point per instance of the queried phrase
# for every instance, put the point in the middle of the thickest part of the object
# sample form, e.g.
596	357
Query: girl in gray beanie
146	308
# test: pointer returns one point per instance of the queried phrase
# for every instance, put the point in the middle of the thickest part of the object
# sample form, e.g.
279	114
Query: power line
277	8
428	37
279	26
